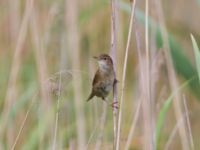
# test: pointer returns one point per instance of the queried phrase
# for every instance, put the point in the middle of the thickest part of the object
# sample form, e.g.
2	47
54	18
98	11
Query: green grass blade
197	54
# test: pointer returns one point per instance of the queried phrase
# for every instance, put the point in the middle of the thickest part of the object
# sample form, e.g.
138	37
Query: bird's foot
115	105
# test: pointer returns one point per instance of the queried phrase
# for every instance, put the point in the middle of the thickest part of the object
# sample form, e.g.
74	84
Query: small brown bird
104	78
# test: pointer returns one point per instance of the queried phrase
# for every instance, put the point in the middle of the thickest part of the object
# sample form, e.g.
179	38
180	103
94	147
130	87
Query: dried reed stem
172	77
147	104
124	75
11	89
113	54
74	47
40	58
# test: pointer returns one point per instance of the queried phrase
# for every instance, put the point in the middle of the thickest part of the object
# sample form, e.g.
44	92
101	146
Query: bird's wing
96	78
95	83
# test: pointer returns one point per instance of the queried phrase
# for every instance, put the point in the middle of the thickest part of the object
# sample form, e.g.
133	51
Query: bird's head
105	62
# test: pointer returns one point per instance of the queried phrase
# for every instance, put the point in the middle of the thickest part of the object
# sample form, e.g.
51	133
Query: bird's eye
104	58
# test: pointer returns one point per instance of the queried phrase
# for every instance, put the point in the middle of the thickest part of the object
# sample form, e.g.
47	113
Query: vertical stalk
11	88
113	54
146	104
74	47
124	75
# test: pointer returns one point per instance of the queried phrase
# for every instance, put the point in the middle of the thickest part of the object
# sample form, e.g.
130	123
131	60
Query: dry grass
11	92
73	39
172	78
41	109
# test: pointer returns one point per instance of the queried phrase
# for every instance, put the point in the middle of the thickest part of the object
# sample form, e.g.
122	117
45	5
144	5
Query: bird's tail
91	96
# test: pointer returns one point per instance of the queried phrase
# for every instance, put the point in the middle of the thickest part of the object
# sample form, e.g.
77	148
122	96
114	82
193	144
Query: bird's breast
107	84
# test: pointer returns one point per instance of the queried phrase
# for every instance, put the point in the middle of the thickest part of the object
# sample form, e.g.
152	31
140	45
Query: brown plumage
104	78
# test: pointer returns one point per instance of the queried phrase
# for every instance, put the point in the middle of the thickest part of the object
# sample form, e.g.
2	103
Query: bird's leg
113	105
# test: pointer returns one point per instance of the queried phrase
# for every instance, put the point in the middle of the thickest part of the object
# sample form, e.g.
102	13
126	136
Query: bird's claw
114	105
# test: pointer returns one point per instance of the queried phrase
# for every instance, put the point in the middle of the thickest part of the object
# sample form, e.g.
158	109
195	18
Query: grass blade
197	54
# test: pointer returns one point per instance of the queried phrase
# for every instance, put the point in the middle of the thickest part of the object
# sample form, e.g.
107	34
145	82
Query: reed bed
46	71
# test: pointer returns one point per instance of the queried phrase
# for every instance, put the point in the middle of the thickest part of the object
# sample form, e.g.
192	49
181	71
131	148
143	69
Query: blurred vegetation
94	38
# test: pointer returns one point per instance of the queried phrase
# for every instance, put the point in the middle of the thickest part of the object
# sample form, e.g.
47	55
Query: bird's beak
95	57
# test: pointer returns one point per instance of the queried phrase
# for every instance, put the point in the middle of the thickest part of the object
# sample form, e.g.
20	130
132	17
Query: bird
104	78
